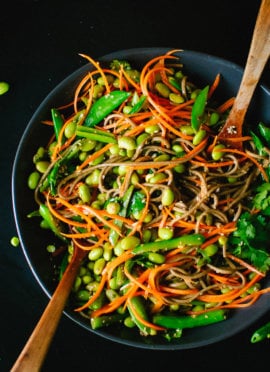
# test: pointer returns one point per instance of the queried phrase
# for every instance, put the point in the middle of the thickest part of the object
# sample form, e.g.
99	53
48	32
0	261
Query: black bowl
202	69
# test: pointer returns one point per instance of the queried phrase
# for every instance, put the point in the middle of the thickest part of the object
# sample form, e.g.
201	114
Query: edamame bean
111	294
4	87
98	91
83	295
88	145
129	242
51	248
180	168
162	89
99	266
217	153
214	118
113	207
14	241
84	193
33	180
129	323
127	143
141	138
157	177
162	157
42	166
39	155
109	78
199	136
187	130
151	129
165	233
156	258
95	254
70	129
176	98
107	253
93	178
211	249
77	284
167	197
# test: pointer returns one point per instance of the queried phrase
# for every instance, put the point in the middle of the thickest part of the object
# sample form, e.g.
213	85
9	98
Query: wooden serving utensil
35	350
259	53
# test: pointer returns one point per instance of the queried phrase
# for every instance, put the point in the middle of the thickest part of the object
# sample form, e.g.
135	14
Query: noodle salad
174	223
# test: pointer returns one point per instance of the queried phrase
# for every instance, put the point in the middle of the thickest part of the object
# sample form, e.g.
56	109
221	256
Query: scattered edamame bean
14	241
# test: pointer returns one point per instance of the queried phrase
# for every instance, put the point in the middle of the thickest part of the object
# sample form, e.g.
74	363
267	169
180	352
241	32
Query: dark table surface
39	47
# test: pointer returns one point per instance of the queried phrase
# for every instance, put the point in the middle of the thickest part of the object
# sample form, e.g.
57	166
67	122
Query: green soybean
42	166
84	193
95	254
33	180
156	258
4	87
15	241
167	197
199	136
217	152
99	266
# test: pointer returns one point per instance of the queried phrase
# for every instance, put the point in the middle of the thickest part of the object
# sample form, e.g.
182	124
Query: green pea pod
190	321
58	121
265	132
137	304
192	239
261	333
48	217
56	172
113	237
106	320
198	108
138	105
104	106
95	135
258	143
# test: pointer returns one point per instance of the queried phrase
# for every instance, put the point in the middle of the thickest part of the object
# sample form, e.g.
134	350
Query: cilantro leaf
261	200
251	240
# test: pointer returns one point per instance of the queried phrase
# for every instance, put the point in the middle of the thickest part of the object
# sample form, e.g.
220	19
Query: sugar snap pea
95	135
106	320
188	239
265	132
47	216
136	306
58	121
258	143
104	106
261	334
189	321
55	172
138	105
114	235
198	108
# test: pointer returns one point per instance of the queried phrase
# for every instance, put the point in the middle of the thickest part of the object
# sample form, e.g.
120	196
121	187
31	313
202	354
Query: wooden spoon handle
258	55
35	350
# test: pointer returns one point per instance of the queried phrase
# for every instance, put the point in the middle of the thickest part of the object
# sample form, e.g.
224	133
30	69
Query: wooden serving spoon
35	350
258	55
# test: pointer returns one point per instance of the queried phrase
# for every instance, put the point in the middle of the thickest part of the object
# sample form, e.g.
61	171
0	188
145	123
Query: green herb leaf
251	240
137	202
